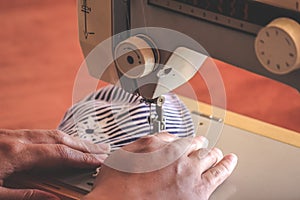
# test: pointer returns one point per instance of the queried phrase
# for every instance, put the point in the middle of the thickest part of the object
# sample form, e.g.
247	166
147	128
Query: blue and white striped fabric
114	116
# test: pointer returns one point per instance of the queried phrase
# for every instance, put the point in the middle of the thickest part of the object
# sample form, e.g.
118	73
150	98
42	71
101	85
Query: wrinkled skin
195	175
27	149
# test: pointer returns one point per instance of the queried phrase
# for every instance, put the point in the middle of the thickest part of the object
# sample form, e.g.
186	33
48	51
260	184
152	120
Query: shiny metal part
157	120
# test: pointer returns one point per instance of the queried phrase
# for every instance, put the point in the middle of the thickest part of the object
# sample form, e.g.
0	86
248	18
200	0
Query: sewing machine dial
137	56
277	46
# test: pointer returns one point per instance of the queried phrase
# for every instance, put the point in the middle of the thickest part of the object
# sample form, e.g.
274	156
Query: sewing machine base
267	169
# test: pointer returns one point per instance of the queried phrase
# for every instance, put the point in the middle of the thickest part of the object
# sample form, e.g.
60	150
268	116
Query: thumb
25	194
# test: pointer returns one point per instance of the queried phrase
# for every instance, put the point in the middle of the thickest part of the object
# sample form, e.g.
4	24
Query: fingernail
194	146
202	153
105	147
200	143
234	158
100	157
205	142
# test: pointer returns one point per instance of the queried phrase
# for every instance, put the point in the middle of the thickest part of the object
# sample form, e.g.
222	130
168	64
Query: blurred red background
40	56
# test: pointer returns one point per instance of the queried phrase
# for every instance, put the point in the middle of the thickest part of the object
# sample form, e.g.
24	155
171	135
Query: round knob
277	46
136	57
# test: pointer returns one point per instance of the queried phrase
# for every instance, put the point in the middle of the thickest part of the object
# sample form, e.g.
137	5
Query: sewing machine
263	38
152	47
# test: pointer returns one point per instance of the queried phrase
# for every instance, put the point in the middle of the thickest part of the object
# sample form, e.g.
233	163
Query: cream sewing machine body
260	36
253	35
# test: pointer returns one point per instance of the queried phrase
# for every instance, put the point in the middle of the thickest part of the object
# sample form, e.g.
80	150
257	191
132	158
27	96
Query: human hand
27	149
194	175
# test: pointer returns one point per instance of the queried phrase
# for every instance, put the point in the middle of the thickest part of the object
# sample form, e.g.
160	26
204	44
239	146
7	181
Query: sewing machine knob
136	57
277	46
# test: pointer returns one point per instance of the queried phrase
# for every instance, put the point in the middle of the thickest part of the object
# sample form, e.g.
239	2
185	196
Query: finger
166	137
220	172
58	137
150	143
180	147
83	145
25	135
29	194
189	144
198	142
207	158
59	155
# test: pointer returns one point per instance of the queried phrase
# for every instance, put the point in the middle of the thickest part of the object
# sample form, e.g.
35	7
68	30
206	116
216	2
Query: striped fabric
114	116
